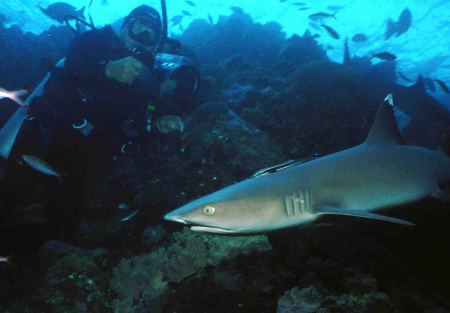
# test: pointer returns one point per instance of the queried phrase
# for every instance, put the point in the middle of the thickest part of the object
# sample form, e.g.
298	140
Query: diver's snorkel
164	20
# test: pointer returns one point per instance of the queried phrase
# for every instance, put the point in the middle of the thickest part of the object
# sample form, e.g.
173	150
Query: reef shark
381	172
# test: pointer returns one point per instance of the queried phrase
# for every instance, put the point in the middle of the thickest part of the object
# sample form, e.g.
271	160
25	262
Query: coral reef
142	282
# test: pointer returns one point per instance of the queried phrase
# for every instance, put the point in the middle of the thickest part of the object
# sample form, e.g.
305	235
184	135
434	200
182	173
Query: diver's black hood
150	14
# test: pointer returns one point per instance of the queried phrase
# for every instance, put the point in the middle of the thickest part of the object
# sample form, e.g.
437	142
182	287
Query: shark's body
381	172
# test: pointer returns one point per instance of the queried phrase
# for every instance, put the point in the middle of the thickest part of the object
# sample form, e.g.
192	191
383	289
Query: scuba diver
98	86
100	101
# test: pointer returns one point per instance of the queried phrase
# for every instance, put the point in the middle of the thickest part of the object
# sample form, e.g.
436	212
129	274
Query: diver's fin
361	214
384	128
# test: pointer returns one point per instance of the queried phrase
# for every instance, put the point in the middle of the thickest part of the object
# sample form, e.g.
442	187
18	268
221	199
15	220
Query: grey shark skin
381	172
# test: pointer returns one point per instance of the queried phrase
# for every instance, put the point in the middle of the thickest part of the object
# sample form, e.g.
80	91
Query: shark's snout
174	217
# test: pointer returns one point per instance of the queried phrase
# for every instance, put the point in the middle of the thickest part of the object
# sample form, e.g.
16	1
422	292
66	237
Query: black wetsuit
78	91
81	90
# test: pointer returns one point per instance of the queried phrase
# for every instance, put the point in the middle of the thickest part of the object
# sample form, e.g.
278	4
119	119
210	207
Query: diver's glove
125	70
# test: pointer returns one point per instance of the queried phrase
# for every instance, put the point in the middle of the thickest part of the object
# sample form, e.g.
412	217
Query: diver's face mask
142	32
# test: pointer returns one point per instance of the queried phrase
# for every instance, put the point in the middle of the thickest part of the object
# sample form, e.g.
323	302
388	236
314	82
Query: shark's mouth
209	229
198	227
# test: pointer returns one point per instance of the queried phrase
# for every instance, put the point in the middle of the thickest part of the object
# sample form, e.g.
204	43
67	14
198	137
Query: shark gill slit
298	203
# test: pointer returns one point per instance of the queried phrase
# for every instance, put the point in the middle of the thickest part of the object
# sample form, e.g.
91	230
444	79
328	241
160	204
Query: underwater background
275	85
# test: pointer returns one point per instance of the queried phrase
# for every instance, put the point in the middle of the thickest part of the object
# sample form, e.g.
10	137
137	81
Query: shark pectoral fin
361	214
441	194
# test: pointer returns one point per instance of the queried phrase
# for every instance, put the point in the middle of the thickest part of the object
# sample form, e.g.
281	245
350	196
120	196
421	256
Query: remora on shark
381	172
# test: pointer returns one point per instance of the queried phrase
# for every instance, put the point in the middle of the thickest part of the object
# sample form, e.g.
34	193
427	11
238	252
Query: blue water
423	49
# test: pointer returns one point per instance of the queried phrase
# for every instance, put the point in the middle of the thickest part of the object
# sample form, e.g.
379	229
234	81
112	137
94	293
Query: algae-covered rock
75	283
143	281
373	302
313	300
306	300
220	143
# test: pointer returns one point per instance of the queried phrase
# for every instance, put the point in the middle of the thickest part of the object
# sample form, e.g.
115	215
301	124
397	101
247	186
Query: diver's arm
88	56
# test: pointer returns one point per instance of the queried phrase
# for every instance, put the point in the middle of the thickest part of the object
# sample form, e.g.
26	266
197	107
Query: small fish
59	11
300	4
384	56
6	259
331	32
210	19
170	123
359	37
321	16
192	4
13	95
303	8
40	165
315	36
177	19
334	8
186	13
443	86
404	22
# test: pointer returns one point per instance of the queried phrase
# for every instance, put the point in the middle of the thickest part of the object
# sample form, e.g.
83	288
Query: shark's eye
208	210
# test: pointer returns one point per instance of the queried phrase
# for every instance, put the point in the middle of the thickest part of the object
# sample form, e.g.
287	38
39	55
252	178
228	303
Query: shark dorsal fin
384	128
